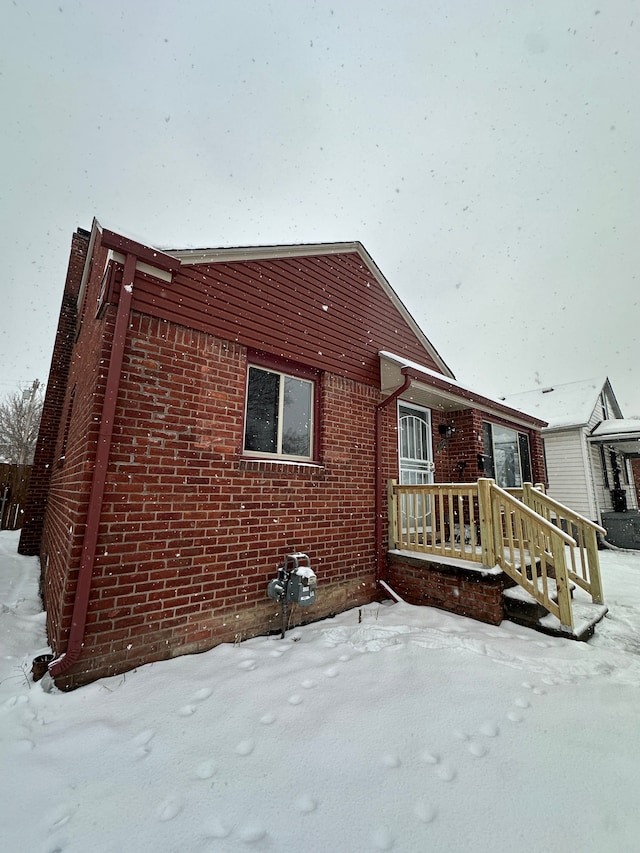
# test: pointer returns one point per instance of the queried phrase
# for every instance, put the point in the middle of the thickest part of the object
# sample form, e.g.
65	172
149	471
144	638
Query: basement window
279	414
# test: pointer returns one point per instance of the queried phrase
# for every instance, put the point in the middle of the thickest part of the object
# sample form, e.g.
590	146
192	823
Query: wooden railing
584	562
441	519
538	542
531	550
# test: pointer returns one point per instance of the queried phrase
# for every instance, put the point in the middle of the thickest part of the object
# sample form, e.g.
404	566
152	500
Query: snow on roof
618	426
465	390
567	405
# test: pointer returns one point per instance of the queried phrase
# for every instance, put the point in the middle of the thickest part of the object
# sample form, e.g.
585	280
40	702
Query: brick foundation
466	591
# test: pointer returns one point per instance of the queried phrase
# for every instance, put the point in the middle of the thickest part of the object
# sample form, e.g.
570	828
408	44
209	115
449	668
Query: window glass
507	457
525	458
261	428
278	414
488	470
296	414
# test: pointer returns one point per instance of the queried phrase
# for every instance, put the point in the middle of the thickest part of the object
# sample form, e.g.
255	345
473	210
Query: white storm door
415	464
415	447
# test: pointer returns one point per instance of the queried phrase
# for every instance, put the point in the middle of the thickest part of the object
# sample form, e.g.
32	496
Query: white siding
597	415
569	480
603	493
632	501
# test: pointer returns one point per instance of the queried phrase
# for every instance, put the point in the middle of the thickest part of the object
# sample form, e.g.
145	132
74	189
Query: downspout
83	588
380	549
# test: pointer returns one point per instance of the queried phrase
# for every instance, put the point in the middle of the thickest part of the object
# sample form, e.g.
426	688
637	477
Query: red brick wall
466	591
73	465
456	460
635	469
191	532
54	400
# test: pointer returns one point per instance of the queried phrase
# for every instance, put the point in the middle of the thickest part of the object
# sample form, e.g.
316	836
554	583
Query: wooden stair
523	609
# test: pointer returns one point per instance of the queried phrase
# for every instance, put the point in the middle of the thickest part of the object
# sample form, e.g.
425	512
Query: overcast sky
485	153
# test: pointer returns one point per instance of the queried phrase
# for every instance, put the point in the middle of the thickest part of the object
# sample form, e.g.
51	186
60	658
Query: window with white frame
507	456
279	414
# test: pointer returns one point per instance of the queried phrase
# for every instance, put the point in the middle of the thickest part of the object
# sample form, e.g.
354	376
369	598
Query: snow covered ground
388	728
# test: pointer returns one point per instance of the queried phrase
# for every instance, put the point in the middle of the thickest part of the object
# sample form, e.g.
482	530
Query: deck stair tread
523	609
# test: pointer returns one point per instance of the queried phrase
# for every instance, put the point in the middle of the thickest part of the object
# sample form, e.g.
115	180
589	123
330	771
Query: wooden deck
541	544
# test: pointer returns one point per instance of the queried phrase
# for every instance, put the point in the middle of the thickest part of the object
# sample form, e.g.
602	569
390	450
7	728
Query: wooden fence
14	484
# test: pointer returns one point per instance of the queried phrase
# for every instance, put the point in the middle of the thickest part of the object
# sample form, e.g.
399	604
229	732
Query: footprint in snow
521	702
389	759
202	694
169	808
489	729
205	770
309	683
446	773
296	699
216	828
424	812
515	717
306	804
248	665
252	832
382	839
477	749
344	658
430	757
331	672
268	719
187	710
141	743
245	747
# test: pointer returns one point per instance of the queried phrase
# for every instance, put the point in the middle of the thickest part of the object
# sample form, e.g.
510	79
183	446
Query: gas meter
295	584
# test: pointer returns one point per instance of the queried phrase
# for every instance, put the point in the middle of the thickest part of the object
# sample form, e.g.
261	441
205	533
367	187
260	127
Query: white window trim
278	454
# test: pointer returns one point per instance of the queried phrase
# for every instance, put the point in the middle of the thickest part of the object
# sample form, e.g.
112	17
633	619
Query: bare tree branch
20	415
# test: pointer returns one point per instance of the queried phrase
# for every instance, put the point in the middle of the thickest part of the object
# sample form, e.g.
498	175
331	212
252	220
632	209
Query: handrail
587	573
483	523
438	518
520	533
539	519
567	512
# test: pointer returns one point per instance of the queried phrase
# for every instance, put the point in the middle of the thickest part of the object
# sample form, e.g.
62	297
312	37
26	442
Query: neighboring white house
588	445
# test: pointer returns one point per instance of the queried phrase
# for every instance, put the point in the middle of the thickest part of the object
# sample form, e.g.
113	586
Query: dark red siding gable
327	311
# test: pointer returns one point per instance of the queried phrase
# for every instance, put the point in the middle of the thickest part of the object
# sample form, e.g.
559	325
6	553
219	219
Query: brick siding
191	531
465	591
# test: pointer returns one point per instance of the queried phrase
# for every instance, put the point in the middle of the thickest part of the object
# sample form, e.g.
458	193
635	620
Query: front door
415	464
414	445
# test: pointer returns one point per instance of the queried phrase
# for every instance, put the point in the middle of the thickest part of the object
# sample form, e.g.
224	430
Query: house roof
624	433
444	393
564	406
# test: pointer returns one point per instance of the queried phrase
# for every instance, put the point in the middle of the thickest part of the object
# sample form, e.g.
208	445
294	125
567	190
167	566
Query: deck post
562	582
487	543
593	561
393	514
